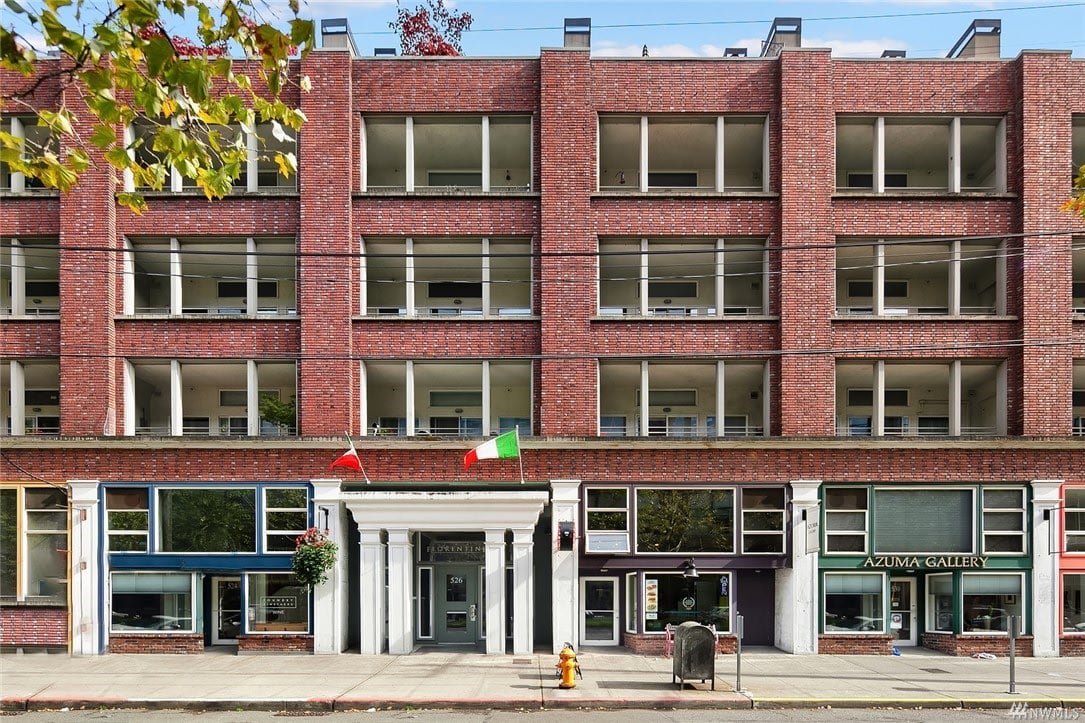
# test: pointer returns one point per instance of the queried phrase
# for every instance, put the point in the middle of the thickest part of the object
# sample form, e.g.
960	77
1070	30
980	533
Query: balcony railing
697	311
695	431
431	311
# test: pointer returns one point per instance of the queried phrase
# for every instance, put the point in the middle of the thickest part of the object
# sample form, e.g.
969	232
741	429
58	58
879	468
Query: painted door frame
911	615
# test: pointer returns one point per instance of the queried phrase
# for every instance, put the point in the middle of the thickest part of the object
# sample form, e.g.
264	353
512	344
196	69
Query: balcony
35	387
447	399
447	154
669	154
36	139
900	278
1079	399
682	399
225	277
446	279
256	153
691	278
1077	146
1078	265
201	399
921	154
917	399
29	277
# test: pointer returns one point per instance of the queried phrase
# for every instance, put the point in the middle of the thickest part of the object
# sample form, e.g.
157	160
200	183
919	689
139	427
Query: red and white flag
350	460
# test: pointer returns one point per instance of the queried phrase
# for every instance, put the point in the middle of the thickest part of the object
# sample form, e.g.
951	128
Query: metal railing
701	312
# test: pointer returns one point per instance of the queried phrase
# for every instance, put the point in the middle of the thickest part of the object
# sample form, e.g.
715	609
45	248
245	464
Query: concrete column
252	397
719	164
879	155
486	180
18	271
1046	624
721	398
400	609
176	278
797	586
371	584
877	421
495	592
409	168
17	400
409	293
565	588
84	571
955	155
329	628
523	593
177	394
129	388
643	170
955	398
721	270
879	278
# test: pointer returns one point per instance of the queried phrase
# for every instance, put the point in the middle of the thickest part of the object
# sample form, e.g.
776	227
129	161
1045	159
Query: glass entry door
457	605
225	610
902	610
599	611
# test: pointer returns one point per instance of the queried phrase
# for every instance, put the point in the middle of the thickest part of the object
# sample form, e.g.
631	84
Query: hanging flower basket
314	557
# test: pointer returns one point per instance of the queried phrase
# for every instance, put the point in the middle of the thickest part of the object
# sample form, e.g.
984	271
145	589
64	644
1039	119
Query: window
34	140
924	520
612	425
9	542
127	518
151	602
846	520
286	517
1073	603
989	600
1075	519
607	520
1004	521
672	599
865	397
854	603
632	609
763	521
940	603
685	520
207	520
46	542
277	603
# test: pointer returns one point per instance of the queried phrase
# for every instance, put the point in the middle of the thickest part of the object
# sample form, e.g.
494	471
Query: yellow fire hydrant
568	666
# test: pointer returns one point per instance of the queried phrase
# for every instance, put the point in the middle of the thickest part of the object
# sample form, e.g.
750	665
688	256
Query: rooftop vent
894	53
578	33
734	52
379	52
335	34
785	33
981	40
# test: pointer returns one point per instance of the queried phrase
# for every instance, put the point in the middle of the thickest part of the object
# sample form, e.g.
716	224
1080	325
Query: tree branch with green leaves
126	68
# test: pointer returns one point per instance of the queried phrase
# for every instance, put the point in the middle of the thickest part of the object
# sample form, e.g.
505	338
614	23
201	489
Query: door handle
472	613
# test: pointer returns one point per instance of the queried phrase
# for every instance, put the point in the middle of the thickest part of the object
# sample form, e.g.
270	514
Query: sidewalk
613	679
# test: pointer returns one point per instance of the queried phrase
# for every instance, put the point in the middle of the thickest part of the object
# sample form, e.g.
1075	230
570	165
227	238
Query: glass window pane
126	499
845	521
845	498
282	543
207	520
46	499
763	499
925	520
287	521
127	520
705	599
47	565
1075	497
286	498
157	601
845	543
1011	499
278	603
1073	603
606	498
697	520
853	603
989	600
127	543
46	520
1003	521
9	506
607	520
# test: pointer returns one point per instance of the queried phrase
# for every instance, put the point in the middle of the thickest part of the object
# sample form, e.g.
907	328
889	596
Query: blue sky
924	28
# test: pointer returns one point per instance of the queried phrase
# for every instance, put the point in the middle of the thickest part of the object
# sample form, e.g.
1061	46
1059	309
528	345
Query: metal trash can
694	654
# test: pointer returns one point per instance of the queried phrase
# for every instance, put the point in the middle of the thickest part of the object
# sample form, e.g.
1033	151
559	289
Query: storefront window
127	519
9	512
207	520
278	604
672	599
686	520
631	598
763	521
150	601
607	512
47	543
854	603
924	520
1075	519
989	600
1073	603
846	520
286	517
940	603
1003	521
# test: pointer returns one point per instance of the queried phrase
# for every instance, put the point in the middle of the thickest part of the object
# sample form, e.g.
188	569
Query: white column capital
84	492
804	492
326	489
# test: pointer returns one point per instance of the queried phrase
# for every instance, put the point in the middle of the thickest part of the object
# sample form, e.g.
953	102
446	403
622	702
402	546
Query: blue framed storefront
189	565
943	566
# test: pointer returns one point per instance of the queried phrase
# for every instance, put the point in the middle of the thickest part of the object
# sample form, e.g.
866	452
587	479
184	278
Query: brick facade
855	644
30	626
1072	646
969	645
800	216
656	644
254	644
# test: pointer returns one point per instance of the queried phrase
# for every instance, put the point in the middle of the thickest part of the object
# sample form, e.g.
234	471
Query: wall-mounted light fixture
689	569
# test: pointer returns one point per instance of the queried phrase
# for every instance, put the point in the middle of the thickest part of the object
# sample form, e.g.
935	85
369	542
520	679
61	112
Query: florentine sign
928	562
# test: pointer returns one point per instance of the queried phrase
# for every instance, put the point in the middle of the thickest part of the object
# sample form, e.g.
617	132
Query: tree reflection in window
207	520
685	521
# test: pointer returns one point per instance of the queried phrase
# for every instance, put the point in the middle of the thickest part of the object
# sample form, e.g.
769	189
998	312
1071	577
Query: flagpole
519	454
351	443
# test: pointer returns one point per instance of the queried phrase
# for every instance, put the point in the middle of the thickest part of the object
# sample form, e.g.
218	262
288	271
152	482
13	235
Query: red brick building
792	337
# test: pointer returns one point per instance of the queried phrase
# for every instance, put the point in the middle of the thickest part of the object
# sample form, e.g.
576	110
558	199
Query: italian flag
507	446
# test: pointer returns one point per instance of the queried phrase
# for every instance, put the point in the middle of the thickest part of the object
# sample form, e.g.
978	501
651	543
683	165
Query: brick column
1048	86
88	286
567	284
807	285
327	293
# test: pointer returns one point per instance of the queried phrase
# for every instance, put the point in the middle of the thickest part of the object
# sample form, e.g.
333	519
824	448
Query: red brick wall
855	644
274	644
26	626
190	644
1072	646
643	644
968	645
